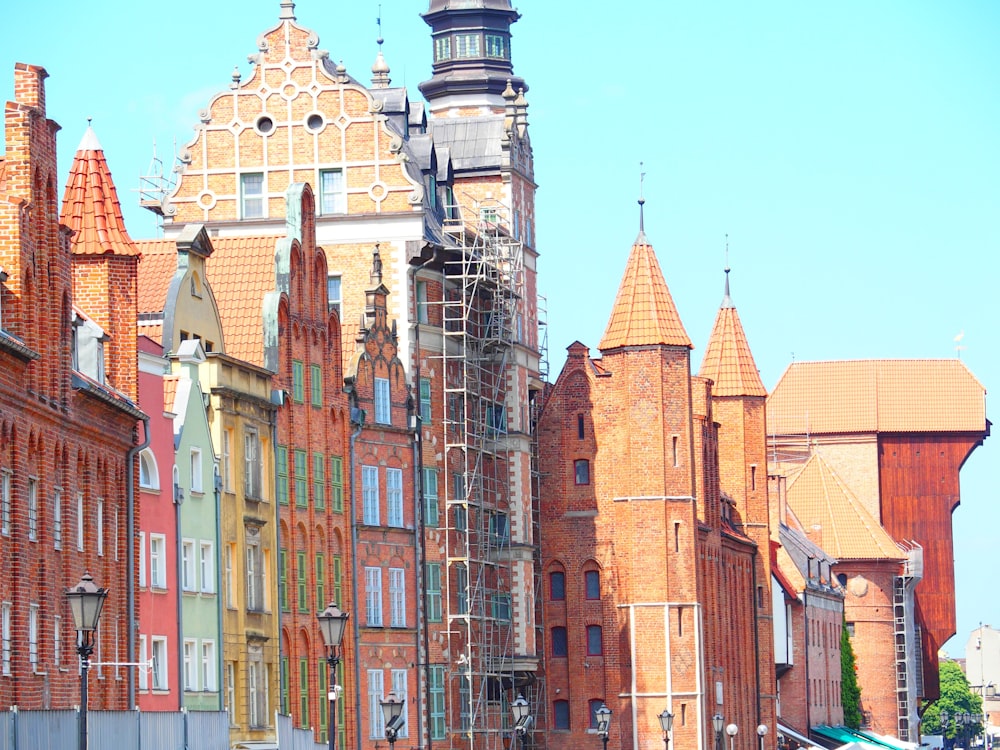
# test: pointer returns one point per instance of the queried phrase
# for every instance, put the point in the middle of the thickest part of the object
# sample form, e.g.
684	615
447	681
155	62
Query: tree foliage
956	698
850	692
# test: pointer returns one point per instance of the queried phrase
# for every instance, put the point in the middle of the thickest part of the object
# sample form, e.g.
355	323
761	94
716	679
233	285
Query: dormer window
88	348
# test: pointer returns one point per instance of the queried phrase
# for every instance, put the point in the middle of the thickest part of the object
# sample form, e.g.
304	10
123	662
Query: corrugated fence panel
285	732
208	730
6	730
112	729
43	730
161	730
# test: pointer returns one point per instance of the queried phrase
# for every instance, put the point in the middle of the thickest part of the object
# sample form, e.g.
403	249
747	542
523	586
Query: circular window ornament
315	122
206	200
264	125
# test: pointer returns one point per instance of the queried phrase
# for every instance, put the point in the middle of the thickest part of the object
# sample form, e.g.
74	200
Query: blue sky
849	150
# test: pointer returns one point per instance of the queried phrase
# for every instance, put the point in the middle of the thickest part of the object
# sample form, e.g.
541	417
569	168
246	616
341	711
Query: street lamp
603	715
522	719
85	602
666	722
392	715
332	623
732	730
762	733
717	722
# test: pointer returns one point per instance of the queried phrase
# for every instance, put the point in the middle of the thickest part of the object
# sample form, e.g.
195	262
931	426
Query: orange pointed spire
90	204
644	312
728	361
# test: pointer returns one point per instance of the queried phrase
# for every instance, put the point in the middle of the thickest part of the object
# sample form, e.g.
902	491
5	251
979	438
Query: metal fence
291	738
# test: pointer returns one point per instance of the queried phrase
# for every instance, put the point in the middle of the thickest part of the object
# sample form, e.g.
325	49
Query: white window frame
143	681
57	641
231	691
229	580
190	665
376	686
188	571
143	565
332	198
100	526
6	480
399	687
158	655
148	466
253	204
197	484
255	577
332	302
383	401
209	668
33	637
373	597
33	509
79	522
369	494
5	643
255	681
206	567
57	517
253	470
226	460
397	598
394	497
157	561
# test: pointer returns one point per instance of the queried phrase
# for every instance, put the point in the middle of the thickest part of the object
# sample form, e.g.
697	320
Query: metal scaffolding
484	283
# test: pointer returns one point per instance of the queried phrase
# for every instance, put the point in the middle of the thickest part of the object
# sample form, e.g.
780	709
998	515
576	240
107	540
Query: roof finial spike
726	300
380	70
287	10
642	202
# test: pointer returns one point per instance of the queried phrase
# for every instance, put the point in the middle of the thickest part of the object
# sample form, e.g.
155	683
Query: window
332	198
283	687
187	565
322	671
560	710
321	601
5	629
383	411
100	526
500	606
33	510
376	724
333	293
226	461
581	471
442	51
229	580
159	657
496	420
461	514
252	465
465	702
594	704
209	669
316	385
57	640
197	484
337	484
57	517
595	640
301	480
496	46
435	677
319	481
298	382
33	637
432	587
421	293
373	597
560	646
592	582
399	688
557	586
397	598
301	580
462	585
190	665
79	521
143	660
425	401
304	693
231	691
142	559
394	497
499	529
255	576
257	690
466	45
252	195
158	561
206	563
369	494
430	497
281	457
5	484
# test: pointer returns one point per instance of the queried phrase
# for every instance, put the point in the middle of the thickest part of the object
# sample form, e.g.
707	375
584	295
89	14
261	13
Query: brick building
68	416
652	592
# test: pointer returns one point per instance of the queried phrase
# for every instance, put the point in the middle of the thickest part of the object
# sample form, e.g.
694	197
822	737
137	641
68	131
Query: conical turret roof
644	312
90	204
728	361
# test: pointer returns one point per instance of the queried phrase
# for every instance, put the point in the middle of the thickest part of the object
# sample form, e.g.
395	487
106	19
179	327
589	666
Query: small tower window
442	48
467	45
496	46
581	470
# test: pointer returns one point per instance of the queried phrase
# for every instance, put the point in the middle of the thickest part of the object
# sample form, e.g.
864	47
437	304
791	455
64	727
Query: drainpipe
219	660
358	420
179	587
756	632
130	553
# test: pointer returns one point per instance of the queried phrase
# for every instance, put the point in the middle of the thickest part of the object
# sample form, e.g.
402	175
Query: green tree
956	699
850	692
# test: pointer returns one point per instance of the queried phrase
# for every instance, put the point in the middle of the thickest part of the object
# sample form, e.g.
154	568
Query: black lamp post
717	723
603	715
85	601
666	722
522	718
332	624
392	714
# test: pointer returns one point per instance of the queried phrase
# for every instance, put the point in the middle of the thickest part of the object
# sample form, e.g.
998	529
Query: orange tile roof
728	361
834	518
90	204
240	271
920	395
169	392
644	312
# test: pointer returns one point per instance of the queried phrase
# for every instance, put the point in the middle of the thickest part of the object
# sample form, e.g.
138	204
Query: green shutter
323	703
321	601
301	580
319	481
337	573
285	708
425	401
316	384
304	693
431	497
282	459
432	585
283	579
337	484
436	679
301	480
298	388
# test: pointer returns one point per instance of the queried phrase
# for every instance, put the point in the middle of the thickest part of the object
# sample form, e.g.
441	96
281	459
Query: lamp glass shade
332	623
762	730
520	709
603	715
717	721
392	707
732	730
86	600
666	720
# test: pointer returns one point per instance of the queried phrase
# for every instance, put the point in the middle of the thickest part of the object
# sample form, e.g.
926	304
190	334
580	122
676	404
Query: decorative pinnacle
642	201
726	300
287	10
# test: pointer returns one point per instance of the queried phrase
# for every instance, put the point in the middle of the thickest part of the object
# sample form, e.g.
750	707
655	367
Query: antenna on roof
726	300
642	201
378	23
959	347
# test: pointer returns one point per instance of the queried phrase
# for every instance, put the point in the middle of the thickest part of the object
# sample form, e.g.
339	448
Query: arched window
557	586
149	475
592	584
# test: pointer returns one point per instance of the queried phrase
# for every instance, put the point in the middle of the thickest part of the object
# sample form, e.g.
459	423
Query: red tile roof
240	271
834	518
921	395
90	204
644	312
728	361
